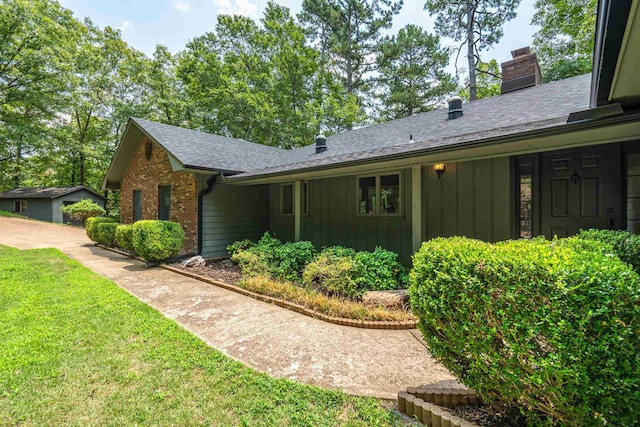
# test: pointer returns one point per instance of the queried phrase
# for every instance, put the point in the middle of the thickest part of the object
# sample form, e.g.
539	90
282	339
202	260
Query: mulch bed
223	270
486	416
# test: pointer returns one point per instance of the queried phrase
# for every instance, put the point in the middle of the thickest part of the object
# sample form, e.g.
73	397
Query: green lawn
11	214
77	350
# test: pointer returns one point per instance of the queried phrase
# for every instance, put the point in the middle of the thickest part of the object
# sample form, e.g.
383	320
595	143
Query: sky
147	23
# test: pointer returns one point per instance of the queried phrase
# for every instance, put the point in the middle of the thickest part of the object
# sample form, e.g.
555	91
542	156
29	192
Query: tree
477	24
37	41
564	43
412	76
348	33
489	81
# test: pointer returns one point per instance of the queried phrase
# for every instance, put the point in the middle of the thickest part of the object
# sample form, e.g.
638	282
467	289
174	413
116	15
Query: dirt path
268	338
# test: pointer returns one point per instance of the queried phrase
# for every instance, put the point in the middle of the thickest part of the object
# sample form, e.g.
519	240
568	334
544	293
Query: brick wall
147	175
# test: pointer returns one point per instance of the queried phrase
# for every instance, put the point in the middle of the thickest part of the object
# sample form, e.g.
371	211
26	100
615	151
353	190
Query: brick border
365	324
424	403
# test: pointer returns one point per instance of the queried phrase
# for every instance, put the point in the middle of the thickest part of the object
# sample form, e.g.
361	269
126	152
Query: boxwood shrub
549	326
291	258
124	236
624	244
91	224
106	233
156	240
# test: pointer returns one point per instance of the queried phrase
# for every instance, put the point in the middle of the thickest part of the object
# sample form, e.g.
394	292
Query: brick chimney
522	71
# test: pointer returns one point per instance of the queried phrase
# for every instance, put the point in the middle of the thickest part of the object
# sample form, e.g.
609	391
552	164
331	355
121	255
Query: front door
580	189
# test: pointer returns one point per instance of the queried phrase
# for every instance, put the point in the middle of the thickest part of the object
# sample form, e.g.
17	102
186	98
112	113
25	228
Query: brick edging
424	403
365	324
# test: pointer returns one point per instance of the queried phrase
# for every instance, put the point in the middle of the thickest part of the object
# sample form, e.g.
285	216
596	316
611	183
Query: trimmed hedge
551	327
106	233
124	236
155	240
625	245
91	225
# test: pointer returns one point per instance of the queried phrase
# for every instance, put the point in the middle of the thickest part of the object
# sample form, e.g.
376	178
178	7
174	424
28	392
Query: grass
331	306
77	350
11	214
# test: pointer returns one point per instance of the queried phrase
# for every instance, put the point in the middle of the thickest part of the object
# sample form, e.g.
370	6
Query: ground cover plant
76	349
548	326
10	214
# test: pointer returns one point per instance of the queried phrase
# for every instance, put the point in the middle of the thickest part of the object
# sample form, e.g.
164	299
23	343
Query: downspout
210	183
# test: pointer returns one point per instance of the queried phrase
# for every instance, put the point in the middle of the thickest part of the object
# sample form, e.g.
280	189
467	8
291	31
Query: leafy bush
156	240
124	236
291	258
252	263
106	233
91	225
342	271
82	210
380	270
332	272
240	245
548	326
625	245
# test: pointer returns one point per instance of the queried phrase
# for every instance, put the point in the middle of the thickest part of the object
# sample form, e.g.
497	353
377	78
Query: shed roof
43	192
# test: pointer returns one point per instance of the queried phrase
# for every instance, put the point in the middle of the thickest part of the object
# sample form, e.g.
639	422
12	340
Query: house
44	203
539	159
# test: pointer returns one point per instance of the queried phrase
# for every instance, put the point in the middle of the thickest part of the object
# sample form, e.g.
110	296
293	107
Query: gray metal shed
45	203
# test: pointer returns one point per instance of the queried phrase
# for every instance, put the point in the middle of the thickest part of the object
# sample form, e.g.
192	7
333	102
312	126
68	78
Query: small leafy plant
83	210
156	240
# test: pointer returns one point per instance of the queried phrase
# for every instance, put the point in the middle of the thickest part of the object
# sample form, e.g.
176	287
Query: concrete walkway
268	338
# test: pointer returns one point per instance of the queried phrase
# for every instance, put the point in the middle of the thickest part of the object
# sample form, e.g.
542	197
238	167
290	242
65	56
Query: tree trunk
470	55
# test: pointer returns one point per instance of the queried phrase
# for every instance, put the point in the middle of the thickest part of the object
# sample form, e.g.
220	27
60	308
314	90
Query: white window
379	194
286	199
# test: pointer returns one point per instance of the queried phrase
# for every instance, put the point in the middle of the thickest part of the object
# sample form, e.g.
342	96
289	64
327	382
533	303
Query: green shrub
625	245
90	227
332	272
106	233
83	210
291	258
551	327
156	240
252	263
124	236
239	245
380	270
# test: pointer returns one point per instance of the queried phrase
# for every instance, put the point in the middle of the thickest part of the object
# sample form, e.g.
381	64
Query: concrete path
268	338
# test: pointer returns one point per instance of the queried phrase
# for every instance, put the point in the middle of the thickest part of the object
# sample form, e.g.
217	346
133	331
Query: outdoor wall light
439	168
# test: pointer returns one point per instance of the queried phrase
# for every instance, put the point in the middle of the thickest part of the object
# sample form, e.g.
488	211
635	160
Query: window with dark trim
379	194
305	198
164	202
20	206
286	199
137	205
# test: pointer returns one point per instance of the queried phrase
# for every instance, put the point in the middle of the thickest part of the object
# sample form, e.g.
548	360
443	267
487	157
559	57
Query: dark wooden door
580	189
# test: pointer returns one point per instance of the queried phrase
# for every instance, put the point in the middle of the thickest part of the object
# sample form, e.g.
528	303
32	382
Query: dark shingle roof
202	150
43	192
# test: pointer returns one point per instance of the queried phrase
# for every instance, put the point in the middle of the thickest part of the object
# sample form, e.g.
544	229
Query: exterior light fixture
439	168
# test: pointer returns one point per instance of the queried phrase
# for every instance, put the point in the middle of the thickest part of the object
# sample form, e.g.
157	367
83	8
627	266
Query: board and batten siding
333	219
472	199
36	208
232	213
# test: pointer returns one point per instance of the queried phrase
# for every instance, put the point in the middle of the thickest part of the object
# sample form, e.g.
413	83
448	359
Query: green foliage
412	76
82	210
91	226
551	327
489	81
345	272
239	245
477	24
155	240
106	233
124	236
291	258
624	244
253	263
564	42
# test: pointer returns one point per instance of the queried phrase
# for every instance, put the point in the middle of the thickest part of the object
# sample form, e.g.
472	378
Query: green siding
230	214
333	220
633	192
472	199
